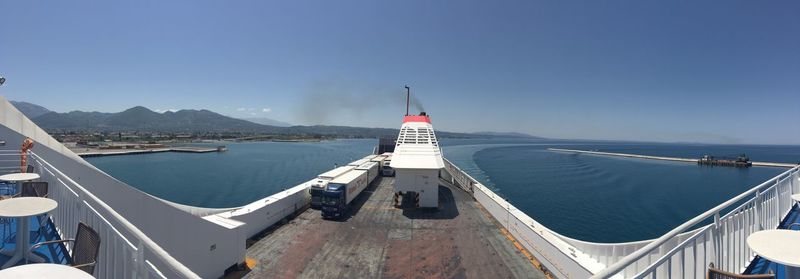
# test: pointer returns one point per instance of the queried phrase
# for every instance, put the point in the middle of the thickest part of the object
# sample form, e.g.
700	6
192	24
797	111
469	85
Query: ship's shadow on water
447	207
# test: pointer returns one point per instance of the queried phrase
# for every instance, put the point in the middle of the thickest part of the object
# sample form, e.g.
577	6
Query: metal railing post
716	233
759	217
140	267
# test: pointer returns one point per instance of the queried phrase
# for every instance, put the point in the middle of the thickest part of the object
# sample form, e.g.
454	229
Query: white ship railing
125	251
559	257
684	252
208	247
723	242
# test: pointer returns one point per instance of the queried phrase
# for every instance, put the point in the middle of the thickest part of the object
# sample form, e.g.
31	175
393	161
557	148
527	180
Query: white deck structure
417	160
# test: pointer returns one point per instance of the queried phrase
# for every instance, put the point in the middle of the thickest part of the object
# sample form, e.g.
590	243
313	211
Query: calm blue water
609	199
245	173
586	197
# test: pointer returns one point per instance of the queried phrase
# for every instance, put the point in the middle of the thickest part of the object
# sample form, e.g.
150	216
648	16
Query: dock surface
377	240
675	159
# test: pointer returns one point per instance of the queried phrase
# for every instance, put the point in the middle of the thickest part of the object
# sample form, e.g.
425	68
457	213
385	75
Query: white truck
386	169
362	160
319	184
341	191
372	170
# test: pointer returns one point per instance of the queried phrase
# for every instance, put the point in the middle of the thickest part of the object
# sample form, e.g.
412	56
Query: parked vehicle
319	184
341	191
386	169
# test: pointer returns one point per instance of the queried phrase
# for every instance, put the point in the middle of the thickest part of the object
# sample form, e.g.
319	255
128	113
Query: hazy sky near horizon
693	71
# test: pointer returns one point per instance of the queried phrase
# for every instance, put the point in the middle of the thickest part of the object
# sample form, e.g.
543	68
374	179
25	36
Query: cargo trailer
372	170
319	184
341	191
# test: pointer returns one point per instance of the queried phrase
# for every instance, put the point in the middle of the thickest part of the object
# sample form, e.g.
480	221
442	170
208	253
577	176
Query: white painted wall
263	213
423	181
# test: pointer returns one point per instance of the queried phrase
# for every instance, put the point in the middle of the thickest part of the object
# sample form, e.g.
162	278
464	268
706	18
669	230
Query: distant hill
204	121
143	119
30	110
267	121
198	121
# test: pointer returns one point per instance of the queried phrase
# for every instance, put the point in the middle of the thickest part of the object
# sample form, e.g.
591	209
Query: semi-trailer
378	159
341	192
362	160
372	170
318	186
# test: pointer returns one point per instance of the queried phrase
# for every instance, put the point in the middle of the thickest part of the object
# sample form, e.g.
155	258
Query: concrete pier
92	152
675	159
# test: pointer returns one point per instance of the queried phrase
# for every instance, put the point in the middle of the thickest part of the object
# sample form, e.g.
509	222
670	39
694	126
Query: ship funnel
408	98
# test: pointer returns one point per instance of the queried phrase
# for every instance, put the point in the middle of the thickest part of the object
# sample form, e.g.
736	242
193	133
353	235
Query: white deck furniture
796	197
778	246
23	208
44	270
19	178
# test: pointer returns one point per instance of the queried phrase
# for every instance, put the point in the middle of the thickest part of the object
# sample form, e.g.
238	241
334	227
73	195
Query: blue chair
714	273
5	231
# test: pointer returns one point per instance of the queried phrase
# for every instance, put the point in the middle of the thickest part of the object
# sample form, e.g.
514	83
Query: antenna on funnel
408	97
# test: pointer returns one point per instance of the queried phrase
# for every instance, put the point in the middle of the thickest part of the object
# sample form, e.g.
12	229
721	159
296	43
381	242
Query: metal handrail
638	254
173	263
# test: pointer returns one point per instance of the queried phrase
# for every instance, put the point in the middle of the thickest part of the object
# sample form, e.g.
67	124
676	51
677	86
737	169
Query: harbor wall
264	213
662	158
204	247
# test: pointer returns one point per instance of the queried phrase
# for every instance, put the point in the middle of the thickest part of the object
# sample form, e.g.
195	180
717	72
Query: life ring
27	145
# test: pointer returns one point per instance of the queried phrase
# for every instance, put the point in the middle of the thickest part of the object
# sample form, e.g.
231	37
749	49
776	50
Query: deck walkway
53	253
377	240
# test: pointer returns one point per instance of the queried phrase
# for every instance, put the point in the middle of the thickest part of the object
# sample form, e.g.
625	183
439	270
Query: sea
586	197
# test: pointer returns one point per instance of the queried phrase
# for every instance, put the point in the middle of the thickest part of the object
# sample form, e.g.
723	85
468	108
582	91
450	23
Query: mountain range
30	110
200	121
268	121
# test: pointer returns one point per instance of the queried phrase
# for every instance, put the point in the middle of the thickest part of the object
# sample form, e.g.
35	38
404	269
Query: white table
796	197
23	208
19	178
778	246
44	270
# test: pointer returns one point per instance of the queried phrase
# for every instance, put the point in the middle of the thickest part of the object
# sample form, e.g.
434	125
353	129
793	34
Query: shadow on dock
447	207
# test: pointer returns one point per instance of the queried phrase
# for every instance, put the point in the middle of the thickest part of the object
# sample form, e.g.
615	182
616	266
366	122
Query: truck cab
386	169
316	190
333	201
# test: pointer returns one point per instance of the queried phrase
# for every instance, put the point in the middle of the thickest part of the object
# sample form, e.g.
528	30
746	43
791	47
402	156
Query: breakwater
663	158
115	152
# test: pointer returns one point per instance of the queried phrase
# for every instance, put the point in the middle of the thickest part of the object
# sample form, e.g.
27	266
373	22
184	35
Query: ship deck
378	240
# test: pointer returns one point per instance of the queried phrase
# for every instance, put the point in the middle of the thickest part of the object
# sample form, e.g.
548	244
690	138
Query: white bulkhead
417	160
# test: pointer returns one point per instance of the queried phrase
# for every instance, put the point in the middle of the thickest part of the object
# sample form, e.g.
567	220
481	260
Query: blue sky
724	71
